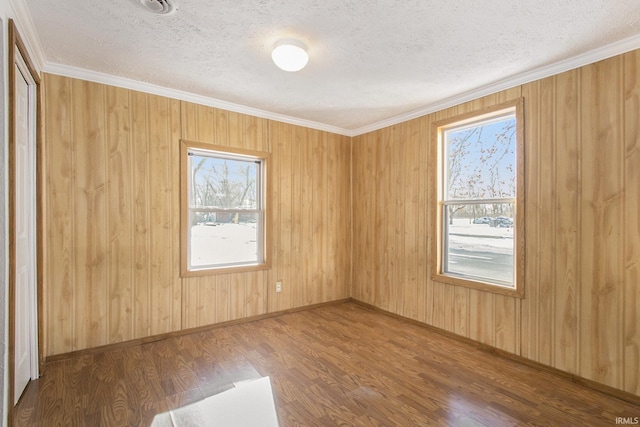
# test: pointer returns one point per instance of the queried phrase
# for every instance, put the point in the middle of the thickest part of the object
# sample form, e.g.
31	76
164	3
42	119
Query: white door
25	348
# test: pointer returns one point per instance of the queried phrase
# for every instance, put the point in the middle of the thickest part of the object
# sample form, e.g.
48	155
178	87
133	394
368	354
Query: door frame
17	47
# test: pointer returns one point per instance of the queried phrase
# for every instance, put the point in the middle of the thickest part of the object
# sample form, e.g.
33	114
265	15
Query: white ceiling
370	60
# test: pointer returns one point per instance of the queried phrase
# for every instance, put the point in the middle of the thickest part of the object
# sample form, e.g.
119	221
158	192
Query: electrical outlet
278	286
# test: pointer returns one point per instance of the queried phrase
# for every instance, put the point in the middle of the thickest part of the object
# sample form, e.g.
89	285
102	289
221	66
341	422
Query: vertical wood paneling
506	332
362	227
318	218
344	224
113	204
236	131
220	126
385	223
307	214
61	250
483	318
602	275
164	130
582	251
567	253
256	288
461	310
141	286
123	224
120	215
546	218
297	254
631	226
237	296
439	306
412	212
90	205
425	188
398	182
222	298
282	207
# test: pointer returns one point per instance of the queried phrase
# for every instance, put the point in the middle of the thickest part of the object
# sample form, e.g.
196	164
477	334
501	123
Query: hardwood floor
334	365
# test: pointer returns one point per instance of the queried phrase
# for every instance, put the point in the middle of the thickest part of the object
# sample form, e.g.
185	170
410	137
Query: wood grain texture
120	224
113	204
111	213
140	188
581	304
60	251
546	218
89	197
334	365
601	228
631	226
567	240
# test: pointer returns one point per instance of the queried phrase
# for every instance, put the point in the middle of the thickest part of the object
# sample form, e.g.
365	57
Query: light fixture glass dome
290	55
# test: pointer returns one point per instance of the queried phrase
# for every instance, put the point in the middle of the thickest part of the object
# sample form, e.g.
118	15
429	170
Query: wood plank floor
335	365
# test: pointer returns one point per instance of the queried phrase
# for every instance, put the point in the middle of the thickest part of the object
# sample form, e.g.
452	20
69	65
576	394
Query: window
480	223
223	217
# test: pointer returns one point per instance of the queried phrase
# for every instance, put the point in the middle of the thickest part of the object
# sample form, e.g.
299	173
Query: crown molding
30	36
595	55
97	77
24	23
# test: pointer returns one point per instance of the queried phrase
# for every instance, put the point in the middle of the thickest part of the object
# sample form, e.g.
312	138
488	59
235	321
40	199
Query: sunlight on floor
249	403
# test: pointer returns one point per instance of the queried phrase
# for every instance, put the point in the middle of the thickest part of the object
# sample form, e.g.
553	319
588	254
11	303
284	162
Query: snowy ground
481	251
465	235
223	243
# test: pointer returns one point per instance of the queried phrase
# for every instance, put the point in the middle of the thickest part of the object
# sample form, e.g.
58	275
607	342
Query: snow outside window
479	200
225	217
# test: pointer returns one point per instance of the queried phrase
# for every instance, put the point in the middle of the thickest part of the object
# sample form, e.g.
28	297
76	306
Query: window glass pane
223	238
481	160
223	183
479	241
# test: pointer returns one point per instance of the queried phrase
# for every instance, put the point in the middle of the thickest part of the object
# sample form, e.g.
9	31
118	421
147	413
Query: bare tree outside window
481	165
223	183
479	194
224	219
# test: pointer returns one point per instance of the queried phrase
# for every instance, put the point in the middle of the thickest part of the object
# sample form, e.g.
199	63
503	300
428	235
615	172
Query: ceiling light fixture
159	7
290	55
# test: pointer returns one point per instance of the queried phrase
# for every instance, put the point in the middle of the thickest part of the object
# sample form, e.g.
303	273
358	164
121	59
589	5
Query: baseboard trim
159	337
594	385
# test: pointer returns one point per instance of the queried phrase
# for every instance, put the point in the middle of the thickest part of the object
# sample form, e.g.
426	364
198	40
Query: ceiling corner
28	33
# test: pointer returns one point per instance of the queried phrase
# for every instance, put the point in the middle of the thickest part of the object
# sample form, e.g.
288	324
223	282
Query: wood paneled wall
112	216
581	310
111	206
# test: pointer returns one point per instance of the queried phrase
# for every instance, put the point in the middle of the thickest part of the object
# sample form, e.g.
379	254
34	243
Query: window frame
263	186
440	228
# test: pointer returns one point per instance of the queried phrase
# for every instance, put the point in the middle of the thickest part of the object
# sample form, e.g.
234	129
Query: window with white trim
223	212
480	194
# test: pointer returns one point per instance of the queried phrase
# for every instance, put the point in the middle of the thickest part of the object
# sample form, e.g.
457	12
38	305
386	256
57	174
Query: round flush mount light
290	55
159	7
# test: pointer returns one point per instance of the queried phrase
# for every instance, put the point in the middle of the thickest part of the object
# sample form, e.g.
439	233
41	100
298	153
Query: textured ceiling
369	59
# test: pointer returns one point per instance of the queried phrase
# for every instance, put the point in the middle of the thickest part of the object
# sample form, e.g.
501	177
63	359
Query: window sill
225	270
481	286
